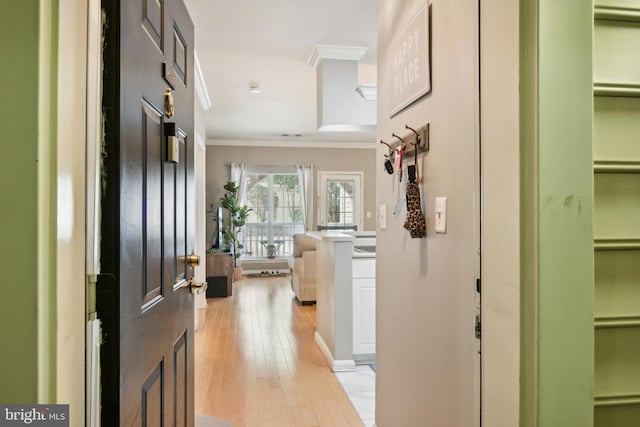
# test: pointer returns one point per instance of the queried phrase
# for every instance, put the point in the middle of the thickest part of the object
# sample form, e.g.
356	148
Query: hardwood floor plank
257	363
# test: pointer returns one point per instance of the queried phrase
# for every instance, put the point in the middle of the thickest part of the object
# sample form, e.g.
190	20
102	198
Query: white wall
425	288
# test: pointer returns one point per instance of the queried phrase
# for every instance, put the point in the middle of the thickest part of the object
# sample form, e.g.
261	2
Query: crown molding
368	92
291	144
200	85
325	51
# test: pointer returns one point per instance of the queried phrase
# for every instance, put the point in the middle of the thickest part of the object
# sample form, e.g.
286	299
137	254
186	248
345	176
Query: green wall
557	351
22	367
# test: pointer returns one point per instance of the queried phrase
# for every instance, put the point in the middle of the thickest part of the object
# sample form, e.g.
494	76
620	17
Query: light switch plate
441	215
383	217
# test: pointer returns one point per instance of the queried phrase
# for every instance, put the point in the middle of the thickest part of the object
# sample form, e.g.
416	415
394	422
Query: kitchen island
336	314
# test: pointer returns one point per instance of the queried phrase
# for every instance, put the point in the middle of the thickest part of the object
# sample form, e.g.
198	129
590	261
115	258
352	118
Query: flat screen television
217	237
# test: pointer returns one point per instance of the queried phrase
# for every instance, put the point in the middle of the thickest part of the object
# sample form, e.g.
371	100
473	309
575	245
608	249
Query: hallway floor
257	363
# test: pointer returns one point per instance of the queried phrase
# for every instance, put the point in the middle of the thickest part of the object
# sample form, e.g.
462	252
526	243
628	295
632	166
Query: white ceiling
269	41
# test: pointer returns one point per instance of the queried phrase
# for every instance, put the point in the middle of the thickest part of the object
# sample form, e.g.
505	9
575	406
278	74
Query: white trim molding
200	84
368	92
201	140
325	51
335	365
291	144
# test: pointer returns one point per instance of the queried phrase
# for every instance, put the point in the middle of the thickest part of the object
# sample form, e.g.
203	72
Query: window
276	215
340	201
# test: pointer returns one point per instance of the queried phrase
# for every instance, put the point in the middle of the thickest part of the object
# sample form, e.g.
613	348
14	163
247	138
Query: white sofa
303	268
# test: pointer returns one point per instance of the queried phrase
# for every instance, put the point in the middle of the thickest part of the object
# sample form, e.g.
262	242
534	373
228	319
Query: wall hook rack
417	139
403	143
417	142
390	148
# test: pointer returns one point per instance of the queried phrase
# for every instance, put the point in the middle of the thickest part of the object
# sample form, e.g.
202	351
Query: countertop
331	236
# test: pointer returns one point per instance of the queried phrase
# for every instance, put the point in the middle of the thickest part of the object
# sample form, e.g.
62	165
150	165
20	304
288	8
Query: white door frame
93	206
500	211
78	117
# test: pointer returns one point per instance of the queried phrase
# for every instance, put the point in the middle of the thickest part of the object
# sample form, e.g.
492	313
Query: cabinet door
364	268
364	316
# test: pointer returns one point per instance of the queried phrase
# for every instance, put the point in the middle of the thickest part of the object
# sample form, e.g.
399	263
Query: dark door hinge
92	280
478	285
478	327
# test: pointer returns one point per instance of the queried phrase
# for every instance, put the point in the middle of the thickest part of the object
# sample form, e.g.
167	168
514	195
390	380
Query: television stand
219	275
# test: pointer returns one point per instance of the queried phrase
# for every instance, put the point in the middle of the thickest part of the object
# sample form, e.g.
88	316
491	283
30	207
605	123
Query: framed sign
408	62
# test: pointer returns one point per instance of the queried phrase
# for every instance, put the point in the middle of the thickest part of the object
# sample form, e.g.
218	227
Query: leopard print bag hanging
415	220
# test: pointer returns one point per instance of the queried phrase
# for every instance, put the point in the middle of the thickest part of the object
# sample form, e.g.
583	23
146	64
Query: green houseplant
237	218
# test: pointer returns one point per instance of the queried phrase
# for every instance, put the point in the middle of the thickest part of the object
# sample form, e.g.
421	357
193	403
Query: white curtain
305	180
239	176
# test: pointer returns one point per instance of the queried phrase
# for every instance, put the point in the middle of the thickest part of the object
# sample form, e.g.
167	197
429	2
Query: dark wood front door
147	216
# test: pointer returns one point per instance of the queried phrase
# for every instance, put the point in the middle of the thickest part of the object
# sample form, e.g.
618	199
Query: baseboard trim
335	365
305	302
364	359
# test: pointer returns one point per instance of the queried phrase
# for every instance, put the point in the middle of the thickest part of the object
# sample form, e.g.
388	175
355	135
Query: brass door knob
195	287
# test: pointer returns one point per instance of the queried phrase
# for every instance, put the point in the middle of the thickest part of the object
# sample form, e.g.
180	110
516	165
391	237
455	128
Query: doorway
340	199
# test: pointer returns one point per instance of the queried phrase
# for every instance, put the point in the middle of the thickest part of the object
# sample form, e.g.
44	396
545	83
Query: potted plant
237	219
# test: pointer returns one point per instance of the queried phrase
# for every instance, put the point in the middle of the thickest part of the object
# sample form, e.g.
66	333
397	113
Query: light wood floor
257	363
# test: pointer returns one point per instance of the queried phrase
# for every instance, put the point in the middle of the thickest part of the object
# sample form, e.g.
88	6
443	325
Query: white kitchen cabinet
364	308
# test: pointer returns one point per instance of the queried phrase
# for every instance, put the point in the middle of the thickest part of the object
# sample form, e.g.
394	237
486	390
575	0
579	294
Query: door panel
152	404
181	207
616	128
152	20
616	361
617	416
147	363
617	293
616	214
616	58
152	196
618	3
617	205
180	372
170	230
179	54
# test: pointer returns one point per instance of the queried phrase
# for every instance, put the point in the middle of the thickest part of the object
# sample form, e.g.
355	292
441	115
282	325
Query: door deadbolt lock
193	260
